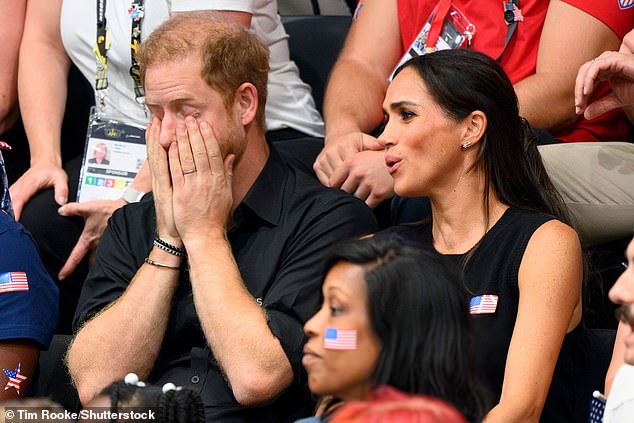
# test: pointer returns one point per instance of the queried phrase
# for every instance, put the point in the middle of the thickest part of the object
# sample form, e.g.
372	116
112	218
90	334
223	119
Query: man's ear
475	126
247	100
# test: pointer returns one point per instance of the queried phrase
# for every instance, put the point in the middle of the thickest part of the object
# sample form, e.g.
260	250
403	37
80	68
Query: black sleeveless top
493	270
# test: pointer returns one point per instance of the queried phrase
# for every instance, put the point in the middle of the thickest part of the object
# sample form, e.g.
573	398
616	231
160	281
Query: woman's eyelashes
406	115
335	308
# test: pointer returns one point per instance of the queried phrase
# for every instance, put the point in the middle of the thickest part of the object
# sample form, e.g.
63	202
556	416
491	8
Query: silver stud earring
466	145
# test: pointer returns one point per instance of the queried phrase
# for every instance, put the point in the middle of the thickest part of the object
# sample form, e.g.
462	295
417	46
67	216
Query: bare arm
550	306
13	352
359	79
10	34
126	336
235	326
42	85
563	48
352	105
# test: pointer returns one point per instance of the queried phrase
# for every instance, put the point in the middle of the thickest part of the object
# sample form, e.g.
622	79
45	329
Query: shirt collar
265	197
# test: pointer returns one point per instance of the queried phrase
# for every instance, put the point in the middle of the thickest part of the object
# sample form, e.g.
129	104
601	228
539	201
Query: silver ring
188	172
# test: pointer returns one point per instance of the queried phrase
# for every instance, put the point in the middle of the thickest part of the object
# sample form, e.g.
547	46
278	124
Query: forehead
175	80
407	86
347	278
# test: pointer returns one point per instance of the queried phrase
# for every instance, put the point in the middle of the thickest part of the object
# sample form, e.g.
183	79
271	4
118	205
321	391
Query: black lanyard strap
102	46
136	13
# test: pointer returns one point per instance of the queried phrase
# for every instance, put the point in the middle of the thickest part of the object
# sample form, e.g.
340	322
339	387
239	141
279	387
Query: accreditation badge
446	28
114	153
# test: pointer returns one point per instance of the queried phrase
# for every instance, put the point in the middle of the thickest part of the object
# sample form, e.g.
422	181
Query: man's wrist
205	240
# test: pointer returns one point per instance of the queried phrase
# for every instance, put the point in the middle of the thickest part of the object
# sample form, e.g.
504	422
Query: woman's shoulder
416	234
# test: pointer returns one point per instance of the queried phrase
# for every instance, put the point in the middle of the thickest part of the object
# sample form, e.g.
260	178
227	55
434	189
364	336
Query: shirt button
195	379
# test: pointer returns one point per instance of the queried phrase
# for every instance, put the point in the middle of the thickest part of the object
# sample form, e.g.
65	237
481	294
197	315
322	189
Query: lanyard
5	198
512	15
136	12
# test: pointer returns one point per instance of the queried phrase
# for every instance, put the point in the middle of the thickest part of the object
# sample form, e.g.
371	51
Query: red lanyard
437	23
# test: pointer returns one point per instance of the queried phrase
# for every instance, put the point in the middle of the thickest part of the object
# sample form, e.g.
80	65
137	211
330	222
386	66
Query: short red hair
387	404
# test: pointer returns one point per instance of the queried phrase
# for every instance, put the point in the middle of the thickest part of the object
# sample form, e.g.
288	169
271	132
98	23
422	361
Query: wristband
165	246
130	195
157	264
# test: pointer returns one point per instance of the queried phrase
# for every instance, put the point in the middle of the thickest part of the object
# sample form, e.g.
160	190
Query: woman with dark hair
454	134
391	315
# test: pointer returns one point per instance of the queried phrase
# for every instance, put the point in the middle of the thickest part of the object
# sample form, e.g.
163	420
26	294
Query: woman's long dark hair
418	308
462	81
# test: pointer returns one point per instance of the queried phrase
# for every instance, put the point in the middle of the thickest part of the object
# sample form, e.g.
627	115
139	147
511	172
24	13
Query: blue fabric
28	314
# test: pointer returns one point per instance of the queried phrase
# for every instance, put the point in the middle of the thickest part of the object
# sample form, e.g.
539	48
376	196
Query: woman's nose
311	328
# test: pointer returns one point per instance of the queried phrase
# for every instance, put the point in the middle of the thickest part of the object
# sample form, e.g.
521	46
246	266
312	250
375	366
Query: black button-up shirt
282	231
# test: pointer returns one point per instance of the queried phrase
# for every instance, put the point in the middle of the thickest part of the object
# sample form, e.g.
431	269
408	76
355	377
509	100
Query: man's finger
324	166
321	175
351	185
214	155
580	99
371	143
373	201
362	192
175	169
339	176
157	157
183	136
601	106
76	256
197	144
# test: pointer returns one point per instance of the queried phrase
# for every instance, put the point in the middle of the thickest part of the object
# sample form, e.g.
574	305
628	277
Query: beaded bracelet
157	264
165	246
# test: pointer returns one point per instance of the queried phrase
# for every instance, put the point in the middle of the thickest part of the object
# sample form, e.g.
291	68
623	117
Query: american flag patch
483	304
340	339
15	378
13	282
626	4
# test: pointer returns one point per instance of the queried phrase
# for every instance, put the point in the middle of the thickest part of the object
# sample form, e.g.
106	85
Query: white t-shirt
289	103
620	405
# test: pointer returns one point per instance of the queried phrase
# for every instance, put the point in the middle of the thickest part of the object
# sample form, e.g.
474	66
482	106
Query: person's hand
202	181
355	163
615	67
161	184
37	178
96	215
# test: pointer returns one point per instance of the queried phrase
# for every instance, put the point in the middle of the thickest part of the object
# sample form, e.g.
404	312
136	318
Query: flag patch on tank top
483	304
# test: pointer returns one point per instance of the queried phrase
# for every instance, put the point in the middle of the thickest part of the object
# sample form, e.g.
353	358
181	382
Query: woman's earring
466	145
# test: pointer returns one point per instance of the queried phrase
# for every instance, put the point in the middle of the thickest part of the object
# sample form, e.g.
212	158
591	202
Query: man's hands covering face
191	181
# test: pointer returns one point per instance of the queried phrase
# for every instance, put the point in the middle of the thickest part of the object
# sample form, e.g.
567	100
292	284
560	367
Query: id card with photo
456	32
114	153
